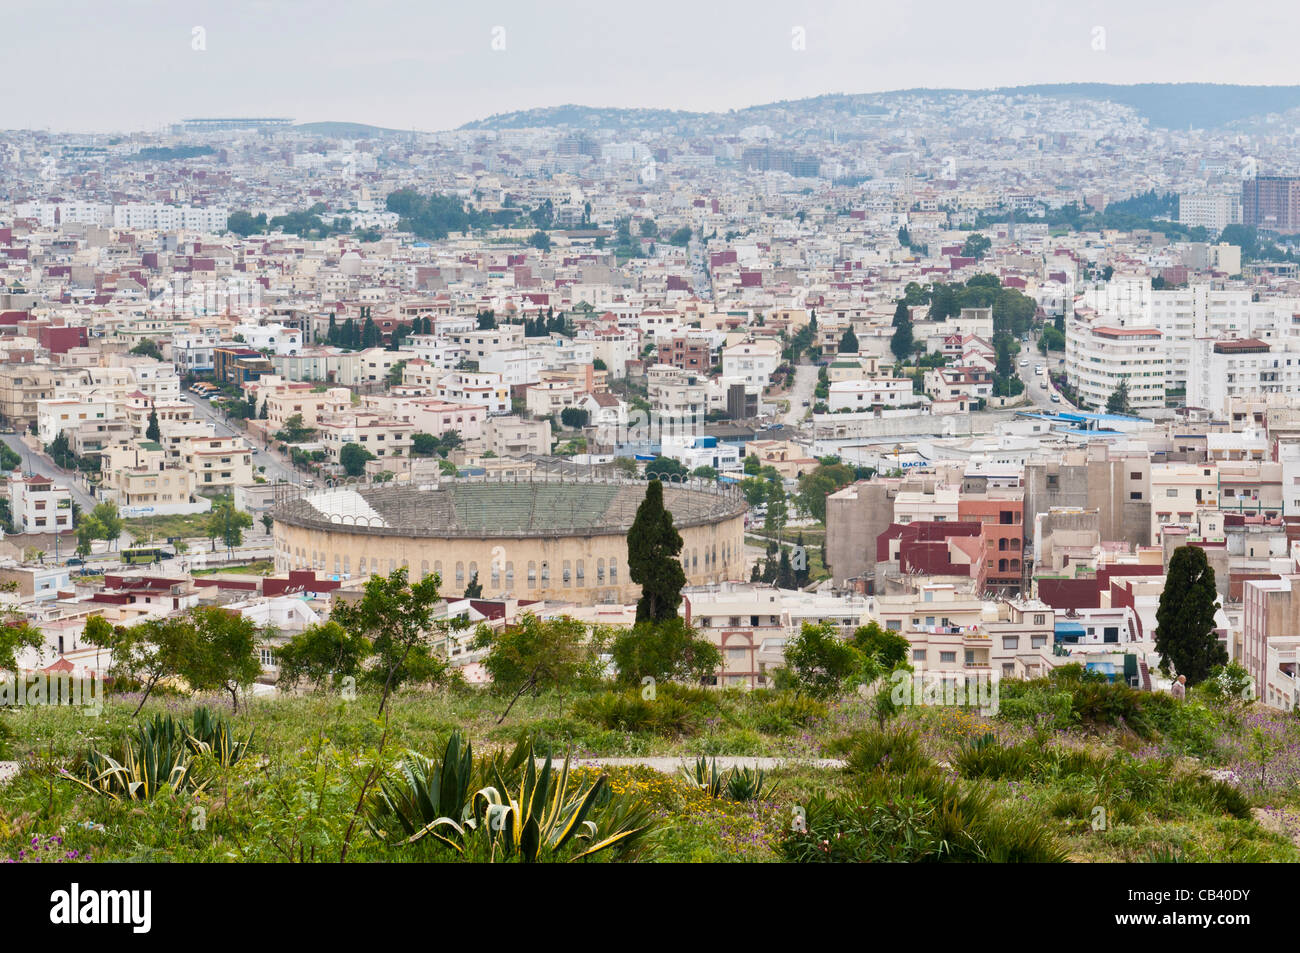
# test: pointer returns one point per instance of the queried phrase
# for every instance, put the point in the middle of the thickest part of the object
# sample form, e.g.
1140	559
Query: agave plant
535	815
424	792
544	816
744	785
705	777
155	757
737	784
212	734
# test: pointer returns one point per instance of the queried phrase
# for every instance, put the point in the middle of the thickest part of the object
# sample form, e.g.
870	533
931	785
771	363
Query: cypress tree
784	572
1185	635
801	574
902	342
653	550
153	431
849	343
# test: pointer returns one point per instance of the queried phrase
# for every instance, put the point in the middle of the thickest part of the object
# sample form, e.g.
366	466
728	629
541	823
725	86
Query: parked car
1056	398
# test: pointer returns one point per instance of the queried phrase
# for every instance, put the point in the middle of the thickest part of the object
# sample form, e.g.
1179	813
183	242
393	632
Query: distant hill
1169	105
347	130
592	117
1178	105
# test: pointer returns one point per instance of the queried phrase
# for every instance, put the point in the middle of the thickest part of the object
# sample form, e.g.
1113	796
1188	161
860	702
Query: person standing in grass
1179	688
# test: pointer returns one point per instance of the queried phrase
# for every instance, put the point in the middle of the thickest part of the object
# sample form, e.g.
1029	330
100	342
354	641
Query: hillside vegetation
1070	768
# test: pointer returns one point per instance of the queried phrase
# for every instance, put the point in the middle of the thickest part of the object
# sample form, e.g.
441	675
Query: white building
169	217
699	451
1099	356
273	337
1241	367
58	415
38	506
1213	211
888	392
751	361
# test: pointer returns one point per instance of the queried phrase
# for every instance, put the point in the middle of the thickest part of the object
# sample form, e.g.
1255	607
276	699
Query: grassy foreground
1067	770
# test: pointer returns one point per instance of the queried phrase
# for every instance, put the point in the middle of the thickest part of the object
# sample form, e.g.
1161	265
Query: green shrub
1082	807
896	750
1215	797
1038	705
629	711
988	758
916	817
1113	704
787	711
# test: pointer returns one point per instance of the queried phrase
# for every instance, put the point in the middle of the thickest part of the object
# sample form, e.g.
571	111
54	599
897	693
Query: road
805	382
699	271
37	461
277	470
1040	397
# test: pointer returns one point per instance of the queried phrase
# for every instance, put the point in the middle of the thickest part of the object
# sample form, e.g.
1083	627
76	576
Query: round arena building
557	538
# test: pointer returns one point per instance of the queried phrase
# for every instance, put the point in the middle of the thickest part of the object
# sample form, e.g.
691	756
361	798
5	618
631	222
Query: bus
145	555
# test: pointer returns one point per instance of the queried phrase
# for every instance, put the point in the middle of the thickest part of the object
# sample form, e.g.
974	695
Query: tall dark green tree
902	342
153	431
784	571
1118	401
653	550
849	343
1185	635
801	571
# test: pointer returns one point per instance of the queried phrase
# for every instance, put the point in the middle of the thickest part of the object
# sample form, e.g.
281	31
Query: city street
805	382
1039	395
37	461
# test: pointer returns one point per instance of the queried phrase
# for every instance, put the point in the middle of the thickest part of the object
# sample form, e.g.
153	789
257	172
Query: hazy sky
104	65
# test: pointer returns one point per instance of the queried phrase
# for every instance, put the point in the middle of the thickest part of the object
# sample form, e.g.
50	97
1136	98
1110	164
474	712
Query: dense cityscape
897	476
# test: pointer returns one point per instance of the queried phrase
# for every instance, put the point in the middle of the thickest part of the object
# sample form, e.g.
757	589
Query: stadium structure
547	537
